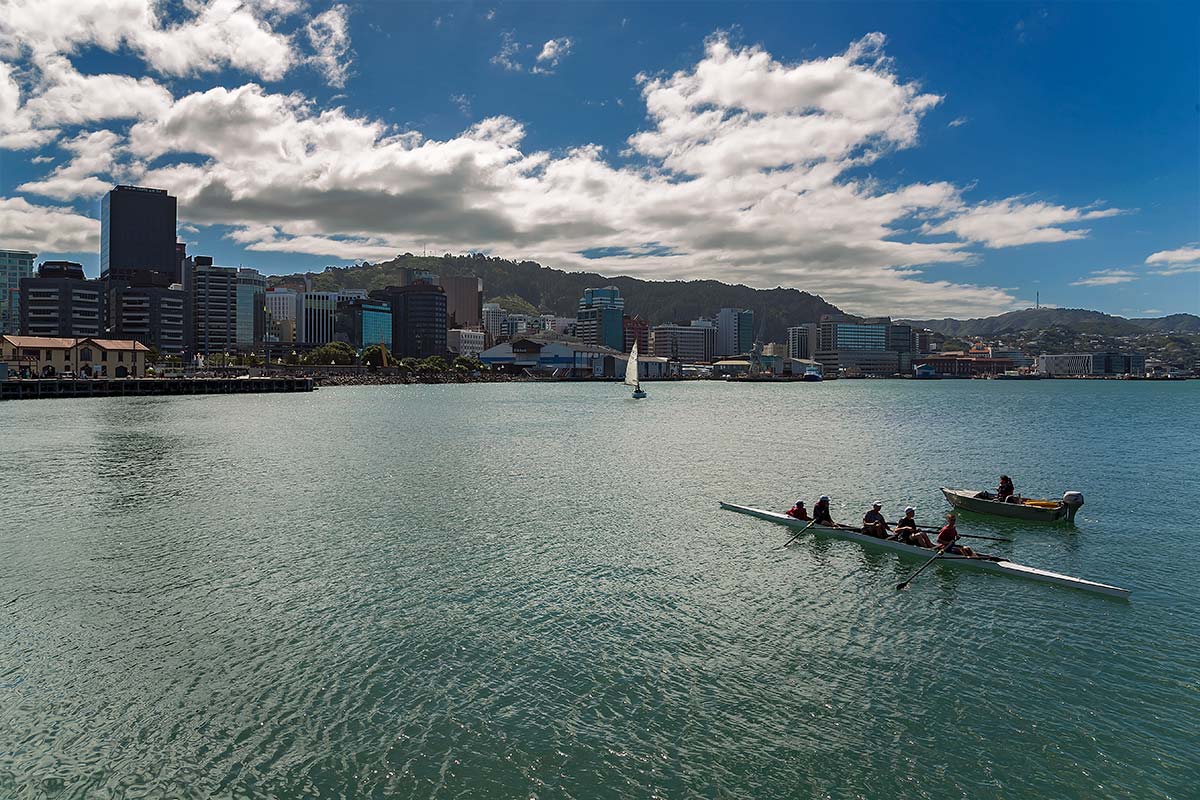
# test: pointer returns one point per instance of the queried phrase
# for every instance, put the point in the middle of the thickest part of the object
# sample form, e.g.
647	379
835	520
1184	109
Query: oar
967	535
913	577
798	535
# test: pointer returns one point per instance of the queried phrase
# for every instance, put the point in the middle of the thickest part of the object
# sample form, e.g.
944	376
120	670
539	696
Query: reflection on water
528	590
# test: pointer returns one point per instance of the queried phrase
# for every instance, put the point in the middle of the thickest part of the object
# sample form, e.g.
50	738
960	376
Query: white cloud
1106	277
509	50
957	122
70	98
1182	255
462	103
740	110
746	173
94	154
329	34
1012	221
1180	261
213	35
43	229
552	53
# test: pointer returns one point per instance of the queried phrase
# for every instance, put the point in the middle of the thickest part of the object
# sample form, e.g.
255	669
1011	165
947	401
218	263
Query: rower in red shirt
948	535
798	511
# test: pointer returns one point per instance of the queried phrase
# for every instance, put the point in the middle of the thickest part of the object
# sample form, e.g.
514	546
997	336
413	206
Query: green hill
1175	323
1078	320
554	291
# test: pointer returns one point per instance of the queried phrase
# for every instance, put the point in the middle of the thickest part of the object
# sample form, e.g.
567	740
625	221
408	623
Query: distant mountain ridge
558	292
1079	320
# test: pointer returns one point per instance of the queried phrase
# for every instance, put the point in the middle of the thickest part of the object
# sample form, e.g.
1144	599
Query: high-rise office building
61	301
213	292
14	265
464	301
494	318
156	316
418	319
141	266
251	323
693	344
280	303
137	234
802	341
363	323
735	331
873	346
600	319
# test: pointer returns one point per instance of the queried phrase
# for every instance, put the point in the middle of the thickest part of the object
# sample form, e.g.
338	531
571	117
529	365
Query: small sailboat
631	374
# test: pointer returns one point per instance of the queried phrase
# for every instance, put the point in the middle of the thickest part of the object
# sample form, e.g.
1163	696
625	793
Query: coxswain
873	522
906	530
1005	490
947	537
798	511
821	512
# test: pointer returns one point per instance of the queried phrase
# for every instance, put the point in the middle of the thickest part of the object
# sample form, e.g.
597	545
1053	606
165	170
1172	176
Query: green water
527	590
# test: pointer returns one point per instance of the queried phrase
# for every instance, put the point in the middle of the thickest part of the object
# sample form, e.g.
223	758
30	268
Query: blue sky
940	160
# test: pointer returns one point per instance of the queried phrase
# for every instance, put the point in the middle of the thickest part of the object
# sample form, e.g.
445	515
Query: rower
798	511
1005	490
873	522
906	530
948	535
821	512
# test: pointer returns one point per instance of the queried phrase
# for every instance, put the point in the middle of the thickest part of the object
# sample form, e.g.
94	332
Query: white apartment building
463	342
802	341
316	313
494	319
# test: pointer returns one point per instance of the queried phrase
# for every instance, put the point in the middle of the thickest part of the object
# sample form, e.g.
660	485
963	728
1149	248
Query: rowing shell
998	567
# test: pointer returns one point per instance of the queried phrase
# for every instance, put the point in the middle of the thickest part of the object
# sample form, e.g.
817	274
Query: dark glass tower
418	319
137	233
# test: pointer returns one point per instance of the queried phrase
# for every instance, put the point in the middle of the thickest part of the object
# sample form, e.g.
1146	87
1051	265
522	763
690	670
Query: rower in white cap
906	530
873	522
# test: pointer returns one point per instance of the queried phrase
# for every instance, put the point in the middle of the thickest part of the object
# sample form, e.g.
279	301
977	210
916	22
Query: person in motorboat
873	522
906	530
1005	490
947	537
820	512
798	511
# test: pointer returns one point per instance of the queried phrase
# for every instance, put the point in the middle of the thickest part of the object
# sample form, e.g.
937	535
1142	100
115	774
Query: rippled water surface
528	590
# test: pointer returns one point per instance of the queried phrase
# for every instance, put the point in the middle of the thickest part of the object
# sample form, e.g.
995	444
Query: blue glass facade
376	325
852	336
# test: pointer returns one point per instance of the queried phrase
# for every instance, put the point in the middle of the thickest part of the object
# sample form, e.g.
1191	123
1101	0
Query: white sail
631	367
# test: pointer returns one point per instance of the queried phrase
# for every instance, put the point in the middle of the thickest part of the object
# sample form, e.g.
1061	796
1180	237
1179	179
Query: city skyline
844	153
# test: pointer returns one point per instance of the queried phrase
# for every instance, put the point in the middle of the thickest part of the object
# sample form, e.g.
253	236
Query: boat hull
980	565
966	500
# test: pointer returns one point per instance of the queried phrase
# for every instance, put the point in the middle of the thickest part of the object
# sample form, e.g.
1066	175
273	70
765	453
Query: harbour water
527	590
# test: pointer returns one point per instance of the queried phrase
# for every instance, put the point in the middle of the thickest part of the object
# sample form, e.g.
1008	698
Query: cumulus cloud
215	34
746	172
54	229
1013	221
551	53
1106	277
208	35
957	122
94	154
329	33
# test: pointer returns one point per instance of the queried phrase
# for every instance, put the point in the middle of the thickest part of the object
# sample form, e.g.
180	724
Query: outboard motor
1072	500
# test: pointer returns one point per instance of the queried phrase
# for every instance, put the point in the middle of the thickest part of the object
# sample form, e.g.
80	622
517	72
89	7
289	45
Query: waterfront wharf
42	388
